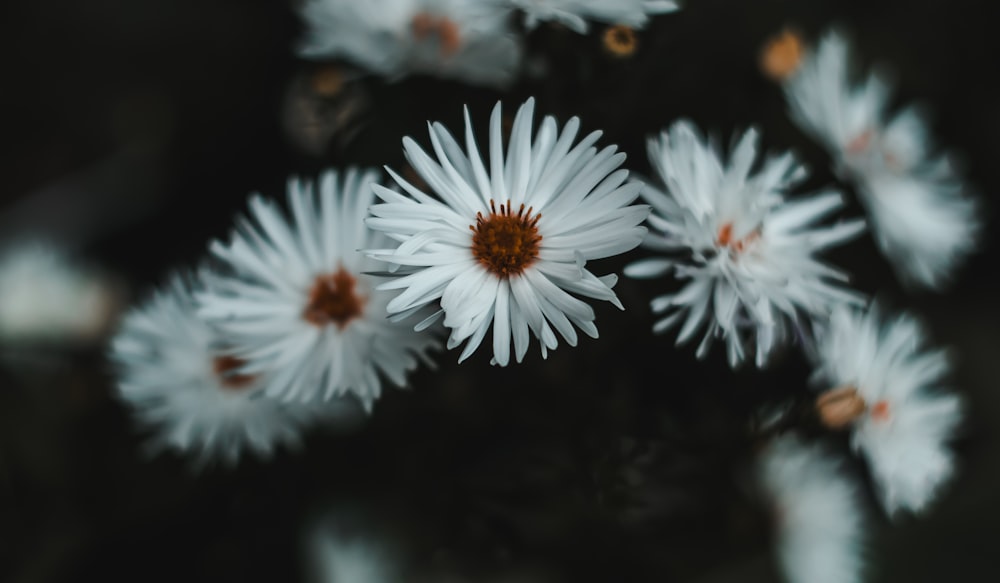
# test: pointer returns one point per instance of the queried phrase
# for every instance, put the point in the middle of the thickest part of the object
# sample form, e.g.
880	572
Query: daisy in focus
819	524
466	40
298	304
177	382
575	13
921	218
887	389
505	241
746	252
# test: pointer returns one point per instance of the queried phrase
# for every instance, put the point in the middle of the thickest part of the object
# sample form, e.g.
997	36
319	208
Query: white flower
747	251
921	219
469	40
300	306
338	551
908	418
573	13
182	386
45	296
507	246
820	528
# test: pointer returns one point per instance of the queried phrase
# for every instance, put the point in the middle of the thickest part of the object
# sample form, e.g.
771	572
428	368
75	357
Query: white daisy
819	523
300	305
921	219
747	252
468	40
46	296
574	13
906	417
508	245
181	385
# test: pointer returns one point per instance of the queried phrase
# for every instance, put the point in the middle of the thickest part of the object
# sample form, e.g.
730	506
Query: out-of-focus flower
575	13
178	382
782	54
468	40
299	304
325	106
819	524
345	545
747	251
47	297
920	217
907	418
620	40
508	245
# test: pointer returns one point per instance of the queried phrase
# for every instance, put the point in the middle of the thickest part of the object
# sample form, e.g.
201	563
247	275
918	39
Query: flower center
880	411
333	300
223	367
782	55
425	25
620	40
506	243
725	238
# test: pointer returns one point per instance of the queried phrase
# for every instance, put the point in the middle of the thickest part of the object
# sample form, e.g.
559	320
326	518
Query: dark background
133	133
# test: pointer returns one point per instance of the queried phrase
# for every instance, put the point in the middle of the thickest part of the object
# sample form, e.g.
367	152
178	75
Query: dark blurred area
134	132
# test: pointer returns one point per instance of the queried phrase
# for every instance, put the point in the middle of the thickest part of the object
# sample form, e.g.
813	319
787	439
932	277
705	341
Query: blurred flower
508	245
326	105
299	304
819	525
907	418
468	40
782	54
47	297
747	251
178	382
620	41
921	220
573	13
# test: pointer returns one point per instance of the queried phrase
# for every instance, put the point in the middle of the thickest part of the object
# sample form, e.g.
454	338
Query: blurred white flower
507	246
45	296
921	218
574	13
468	40
747	251
299	304
173	375
907	416
819	524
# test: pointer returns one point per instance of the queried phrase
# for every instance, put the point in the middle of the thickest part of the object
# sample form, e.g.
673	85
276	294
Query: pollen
620	40
880	411
781	55
334	300
505	242
449	35
724	238
223	366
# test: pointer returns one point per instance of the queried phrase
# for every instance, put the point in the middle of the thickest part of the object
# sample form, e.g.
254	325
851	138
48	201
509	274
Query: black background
134	131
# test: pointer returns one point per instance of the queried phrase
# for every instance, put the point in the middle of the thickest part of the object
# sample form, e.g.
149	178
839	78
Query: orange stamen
333	300
506	243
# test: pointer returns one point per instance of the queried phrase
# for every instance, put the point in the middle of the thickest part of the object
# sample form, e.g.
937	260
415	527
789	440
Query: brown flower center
223	366
448	33
506	243
333	300
838	408
782	54
620	40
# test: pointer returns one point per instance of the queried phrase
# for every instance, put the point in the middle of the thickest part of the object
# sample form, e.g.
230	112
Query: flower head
746	251
820	528
299	304
469	40
179	382
906	418
574	13
508	246
921	218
